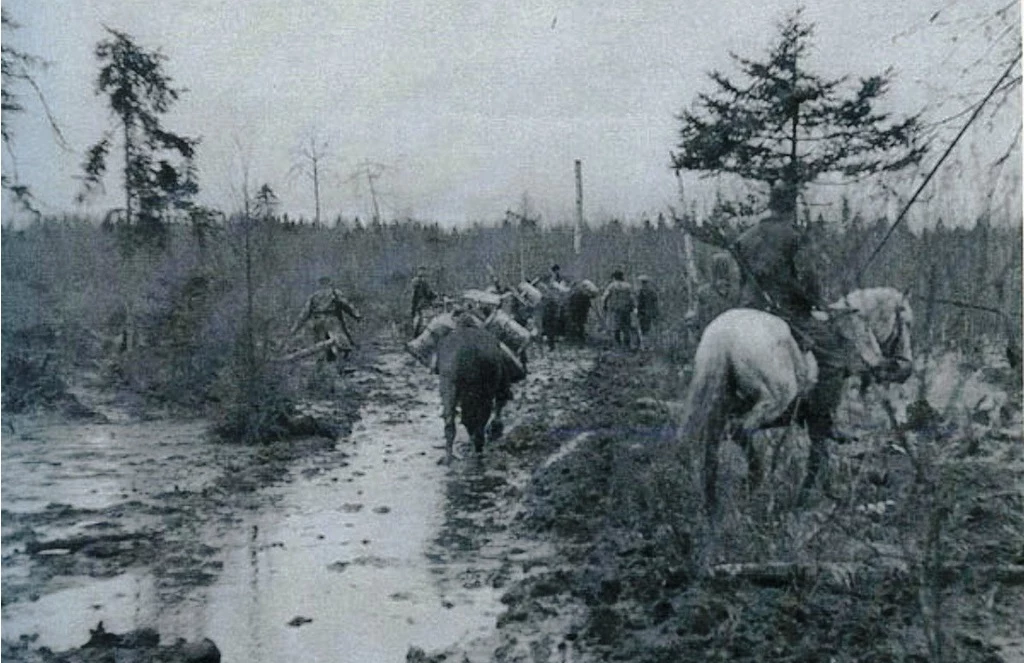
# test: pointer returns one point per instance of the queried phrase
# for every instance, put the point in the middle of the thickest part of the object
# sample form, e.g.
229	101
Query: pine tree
159	173
786	124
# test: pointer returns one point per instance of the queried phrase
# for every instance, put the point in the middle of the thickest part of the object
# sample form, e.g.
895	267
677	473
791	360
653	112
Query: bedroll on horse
530	293
508	331
424	347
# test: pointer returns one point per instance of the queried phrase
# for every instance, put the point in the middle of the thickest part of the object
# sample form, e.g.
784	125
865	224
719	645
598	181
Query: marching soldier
326	309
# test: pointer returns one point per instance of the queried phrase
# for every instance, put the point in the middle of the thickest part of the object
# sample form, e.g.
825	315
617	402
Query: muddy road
564	541
346	551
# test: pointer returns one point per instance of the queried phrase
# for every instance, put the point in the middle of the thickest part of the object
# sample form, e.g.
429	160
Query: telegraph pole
577	230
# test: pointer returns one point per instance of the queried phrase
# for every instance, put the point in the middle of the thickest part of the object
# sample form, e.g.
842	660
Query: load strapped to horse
750	374
480	310
478	351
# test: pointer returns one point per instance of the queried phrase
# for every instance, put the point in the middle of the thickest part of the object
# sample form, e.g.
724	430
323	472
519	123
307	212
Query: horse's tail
704	408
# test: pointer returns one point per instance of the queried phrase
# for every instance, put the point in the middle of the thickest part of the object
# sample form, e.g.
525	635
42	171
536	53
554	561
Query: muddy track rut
348	552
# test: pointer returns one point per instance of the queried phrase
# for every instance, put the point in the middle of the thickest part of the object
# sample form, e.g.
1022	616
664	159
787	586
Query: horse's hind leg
755	462
711	473
496	428
817	431
770	405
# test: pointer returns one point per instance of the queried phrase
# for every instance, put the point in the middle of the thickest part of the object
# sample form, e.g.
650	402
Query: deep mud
918	558
576	537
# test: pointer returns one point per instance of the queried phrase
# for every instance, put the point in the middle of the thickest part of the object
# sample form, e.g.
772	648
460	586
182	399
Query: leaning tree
159	173
19	69
783	123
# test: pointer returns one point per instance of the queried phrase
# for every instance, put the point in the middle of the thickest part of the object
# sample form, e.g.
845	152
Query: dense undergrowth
196	325
911	552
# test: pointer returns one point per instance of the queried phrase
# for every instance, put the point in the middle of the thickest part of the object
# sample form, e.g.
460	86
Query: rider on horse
778	278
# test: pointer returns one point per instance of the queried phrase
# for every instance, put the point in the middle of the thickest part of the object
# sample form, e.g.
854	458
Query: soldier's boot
827	345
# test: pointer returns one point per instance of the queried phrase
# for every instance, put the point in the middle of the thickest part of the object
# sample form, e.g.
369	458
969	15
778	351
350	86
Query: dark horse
476	376
563	313
577	311
748	370
551	312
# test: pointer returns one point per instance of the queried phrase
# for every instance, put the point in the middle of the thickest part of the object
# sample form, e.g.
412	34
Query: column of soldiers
762	269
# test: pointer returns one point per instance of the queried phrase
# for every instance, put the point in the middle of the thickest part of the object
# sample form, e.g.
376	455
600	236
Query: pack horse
750	374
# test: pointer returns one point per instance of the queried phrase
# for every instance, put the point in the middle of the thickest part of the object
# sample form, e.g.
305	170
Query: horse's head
853	326
887	317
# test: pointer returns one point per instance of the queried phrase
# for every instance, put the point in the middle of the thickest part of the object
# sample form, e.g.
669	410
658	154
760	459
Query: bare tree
370	171
311	155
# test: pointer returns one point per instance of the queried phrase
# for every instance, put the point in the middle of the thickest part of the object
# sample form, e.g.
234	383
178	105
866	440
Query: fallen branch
313	349
840	575
671	409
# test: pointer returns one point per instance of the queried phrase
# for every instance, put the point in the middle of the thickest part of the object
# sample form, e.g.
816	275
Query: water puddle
330	565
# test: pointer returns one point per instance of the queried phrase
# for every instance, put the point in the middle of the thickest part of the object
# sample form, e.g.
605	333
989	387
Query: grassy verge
915	555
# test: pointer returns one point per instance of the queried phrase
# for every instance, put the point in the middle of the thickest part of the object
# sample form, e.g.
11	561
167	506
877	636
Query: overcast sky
469	105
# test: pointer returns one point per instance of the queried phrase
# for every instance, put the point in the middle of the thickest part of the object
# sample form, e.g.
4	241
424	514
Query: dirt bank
915	556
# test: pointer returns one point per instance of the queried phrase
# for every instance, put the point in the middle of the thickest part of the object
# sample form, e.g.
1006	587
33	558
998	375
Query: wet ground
352	551
567	540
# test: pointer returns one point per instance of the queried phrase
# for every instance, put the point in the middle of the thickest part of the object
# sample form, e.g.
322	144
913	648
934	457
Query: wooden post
688	260
577	230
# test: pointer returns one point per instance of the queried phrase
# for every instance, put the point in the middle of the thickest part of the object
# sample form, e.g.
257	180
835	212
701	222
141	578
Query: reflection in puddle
121	603
340	553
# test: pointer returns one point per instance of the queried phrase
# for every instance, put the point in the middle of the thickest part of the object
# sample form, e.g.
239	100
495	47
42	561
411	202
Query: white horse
749	374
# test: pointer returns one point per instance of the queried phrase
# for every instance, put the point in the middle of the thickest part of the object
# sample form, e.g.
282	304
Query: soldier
718	295
327	309
556	278
778	277
618	304
422	297
646	304
496	286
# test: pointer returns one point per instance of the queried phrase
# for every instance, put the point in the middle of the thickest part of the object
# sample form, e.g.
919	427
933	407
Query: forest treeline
167	322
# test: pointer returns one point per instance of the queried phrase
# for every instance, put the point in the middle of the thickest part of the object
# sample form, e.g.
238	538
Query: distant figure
422	297
618	304
327	308
646	305
718	295
555	277
496	286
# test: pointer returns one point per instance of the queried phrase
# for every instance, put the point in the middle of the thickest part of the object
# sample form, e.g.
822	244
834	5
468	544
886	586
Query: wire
935	168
